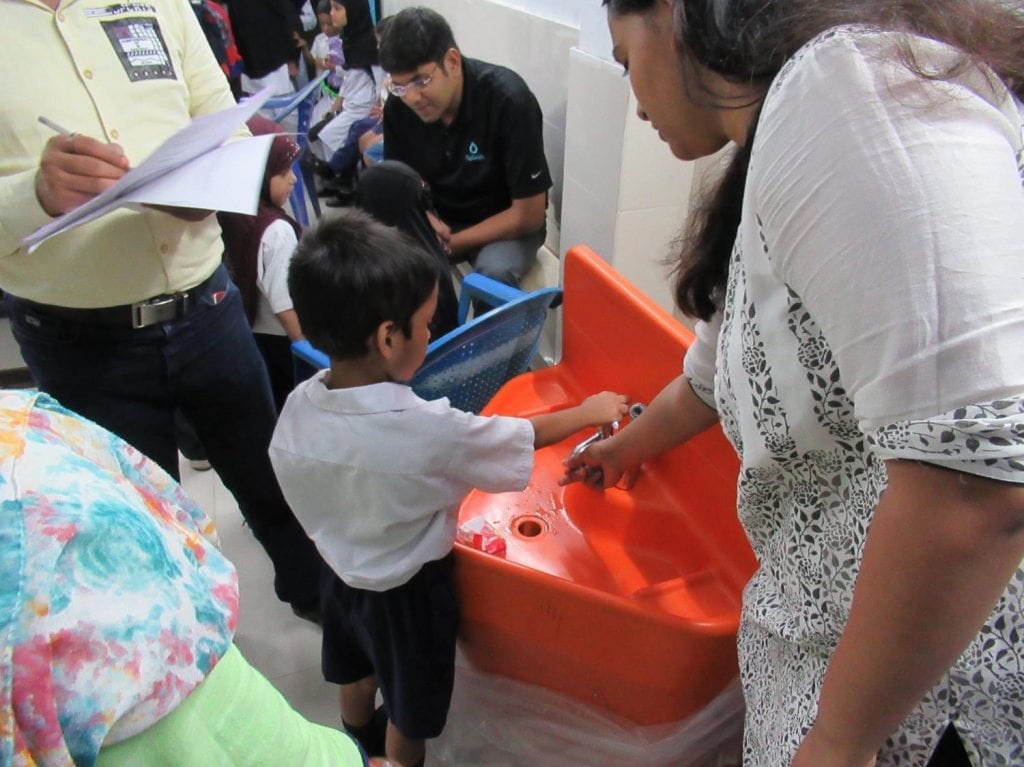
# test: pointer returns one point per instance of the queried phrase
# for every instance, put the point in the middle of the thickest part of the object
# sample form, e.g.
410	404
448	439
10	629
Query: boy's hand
601	409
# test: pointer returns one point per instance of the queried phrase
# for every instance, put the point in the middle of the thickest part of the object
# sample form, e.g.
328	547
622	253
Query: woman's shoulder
853	57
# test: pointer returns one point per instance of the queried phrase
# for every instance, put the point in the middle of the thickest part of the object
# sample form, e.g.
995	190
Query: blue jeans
206	364
346	158
508	261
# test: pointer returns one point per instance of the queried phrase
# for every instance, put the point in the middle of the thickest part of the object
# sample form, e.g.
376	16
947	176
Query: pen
53	126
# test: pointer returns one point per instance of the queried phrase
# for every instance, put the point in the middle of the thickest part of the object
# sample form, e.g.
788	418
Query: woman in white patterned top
858	275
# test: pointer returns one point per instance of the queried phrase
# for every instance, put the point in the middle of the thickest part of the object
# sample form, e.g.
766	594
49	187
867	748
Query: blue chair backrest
280	107
470	363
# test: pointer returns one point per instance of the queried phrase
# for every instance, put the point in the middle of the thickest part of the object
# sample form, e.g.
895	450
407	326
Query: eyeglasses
418	83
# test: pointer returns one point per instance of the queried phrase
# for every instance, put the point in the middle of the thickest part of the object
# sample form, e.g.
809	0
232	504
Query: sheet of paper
189	145
227	178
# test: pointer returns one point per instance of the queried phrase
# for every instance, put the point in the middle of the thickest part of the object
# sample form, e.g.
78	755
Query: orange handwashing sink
627	600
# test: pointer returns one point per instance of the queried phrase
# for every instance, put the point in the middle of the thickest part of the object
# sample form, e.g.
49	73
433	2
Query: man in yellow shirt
131	316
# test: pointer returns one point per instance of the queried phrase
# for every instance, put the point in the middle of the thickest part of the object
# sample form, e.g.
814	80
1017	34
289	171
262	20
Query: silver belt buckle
159	309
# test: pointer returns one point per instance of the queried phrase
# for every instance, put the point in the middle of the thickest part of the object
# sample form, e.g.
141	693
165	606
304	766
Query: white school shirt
359	92
276	249
874	310
375	474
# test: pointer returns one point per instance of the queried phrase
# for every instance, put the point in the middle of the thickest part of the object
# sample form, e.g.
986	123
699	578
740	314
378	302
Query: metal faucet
594	474
635	410
602	433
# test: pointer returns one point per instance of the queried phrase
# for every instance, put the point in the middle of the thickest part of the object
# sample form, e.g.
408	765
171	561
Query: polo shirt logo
473	154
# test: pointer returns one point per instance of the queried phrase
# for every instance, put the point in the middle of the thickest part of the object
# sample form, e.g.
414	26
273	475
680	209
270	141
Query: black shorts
406	636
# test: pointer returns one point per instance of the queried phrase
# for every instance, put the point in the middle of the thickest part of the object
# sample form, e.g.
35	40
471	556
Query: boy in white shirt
376	475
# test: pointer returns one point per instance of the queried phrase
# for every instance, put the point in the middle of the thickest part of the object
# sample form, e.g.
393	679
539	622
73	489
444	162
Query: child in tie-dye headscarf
117	613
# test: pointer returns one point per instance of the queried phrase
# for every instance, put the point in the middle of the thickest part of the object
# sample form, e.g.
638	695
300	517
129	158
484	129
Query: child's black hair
351	273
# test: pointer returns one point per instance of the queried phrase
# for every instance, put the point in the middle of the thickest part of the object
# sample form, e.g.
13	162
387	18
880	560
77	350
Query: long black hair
358	40
748	41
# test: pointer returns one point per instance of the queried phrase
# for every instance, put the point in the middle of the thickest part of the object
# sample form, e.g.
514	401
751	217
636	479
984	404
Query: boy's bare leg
357	701
403	751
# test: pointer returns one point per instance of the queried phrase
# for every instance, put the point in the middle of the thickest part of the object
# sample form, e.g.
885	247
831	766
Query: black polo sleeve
521	136
394	142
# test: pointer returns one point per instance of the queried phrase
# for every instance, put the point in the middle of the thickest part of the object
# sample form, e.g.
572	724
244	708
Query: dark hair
350	274
414	37
626	7
748	41
382	26
358	41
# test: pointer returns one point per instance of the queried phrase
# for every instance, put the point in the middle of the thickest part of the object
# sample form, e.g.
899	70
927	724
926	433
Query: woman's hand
599	466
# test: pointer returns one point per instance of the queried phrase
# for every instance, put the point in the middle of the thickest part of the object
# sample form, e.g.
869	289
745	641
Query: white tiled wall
598	98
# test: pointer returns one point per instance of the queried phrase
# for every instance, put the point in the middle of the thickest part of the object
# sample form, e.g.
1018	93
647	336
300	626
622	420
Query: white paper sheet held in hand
194	168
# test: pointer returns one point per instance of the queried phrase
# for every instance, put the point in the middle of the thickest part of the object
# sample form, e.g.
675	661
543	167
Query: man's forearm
519	220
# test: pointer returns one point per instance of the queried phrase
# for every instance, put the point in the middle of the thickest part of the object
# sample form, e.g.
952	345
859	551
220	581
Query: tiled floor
285	648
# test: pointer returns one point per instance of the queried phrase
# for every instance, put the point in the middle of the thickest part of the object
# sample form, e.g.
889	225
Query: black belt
141	314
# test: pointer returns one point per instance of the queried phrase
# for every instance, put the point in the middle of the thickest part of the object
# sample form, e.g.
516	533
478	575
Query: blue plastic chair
280	107
470	363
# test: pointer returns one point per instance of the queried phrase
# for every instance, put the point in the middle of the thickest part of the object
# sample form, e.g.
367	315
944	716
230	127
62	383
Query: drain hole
529	528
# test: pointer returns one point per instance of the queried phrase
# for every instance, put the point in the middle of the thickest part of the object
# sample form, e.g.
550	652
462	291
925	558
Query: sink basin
626	599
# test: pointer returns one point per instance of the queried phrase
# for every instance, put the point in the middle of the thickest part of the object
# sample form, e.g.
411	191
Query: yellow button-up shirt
132	73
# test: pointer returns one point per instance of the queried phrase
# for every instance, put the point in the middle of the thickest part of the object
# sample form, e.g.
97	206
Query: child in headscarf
257	250
361	87
394	194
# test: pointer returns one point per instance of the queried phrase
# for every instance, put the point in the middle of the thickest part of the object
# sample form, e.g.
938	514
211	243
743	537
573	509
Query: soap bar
480	534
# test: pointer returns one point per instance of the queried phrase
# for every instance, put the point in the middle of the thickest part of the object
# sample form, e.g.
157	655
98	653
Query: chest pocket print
140	47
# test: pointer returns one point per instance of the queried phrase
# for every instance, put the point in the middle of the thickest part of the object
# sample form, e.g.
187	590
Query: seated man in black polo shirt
473	131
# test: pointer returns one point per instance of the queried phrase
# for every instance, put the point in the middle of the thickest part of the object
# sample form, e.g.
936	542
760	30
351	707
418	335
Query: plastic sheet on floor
499	722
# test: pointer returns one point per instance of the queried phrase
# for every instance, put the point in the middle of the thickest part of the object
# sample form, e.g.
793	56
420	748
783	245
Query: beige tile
595	121
589	218
651	175
642	240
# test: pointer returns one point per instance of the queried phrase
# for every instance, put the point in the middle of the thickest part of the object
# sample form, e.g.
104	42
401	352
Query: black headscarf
395	195
357	38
